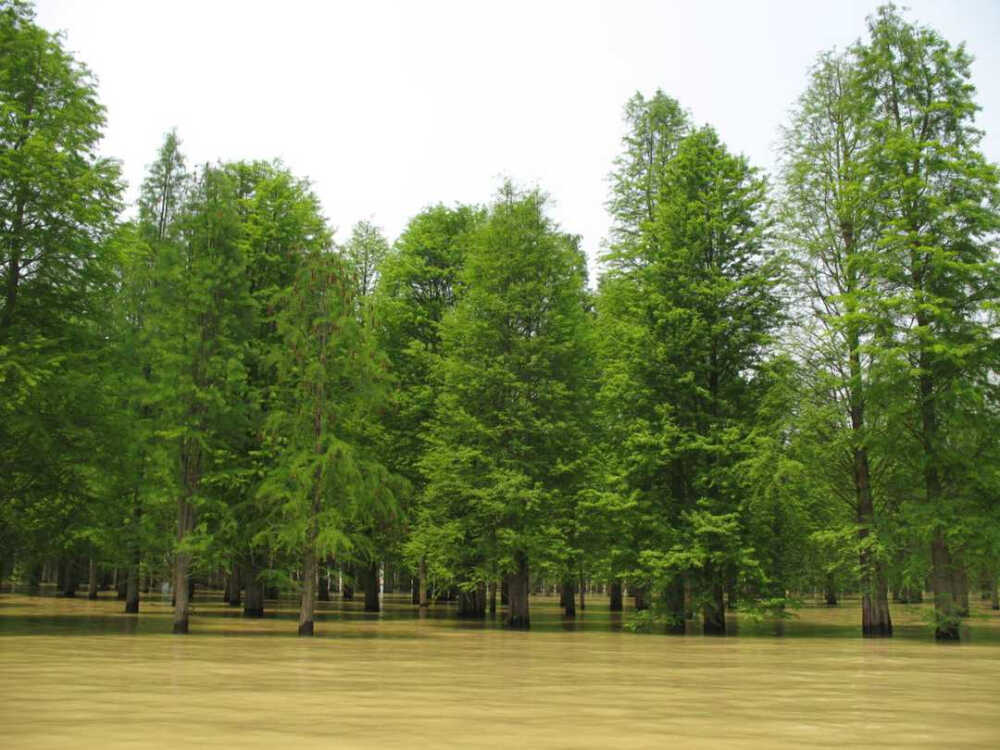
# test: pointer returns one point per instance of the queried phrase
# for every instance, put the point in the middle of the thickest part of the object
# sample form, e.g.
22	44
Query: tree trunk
995	595
324	583
583	591
92	579
422	582
70	578
371	588
254	606
132	587
639	595
504	592
568	597
615	595
235	586
308	608
714	610
674	596
35	579
830	591
945	611
517	588
493	597
961	586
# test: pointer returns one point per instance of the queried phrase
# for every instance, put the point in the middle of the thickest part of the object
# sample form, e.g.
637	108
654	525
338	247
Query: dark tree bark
132	587
254	606
324	584
504	592
371	588
422	583
471	604
995	594
568	597
941	579
92	579
35	579
615	596
583	591
308	607
518	588
714	610
674	596
70	578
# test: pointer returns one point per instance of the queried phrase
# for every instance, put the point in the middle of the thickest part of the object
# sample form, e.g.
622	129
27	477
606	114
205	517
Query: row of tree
773	388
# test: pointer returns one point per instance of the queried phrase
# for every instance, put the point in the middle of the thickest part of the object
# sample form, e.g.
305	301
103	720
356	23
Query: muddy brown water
79	674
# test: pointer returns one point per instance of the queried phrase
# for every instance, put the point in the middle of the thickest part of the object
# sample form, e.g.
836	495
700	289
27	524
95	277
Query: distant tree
364	253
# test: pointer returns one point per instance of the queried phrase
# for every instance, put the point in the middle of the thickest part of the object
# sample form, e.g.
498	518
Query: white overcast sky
388	107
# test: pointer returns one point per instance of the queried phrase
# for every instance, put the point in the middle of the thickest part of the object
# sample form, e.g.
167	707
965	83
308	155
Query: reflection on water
80	674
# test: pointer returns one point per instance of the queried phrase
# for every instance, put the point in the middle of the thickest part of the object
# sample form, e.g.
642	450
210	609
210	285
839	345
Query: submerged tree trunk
191	476
324	584
945	611
615	595
568	598
422	582
875	619
583	591
371	588
307	608
714	609
639	595
254	606
235	586
35	579
518	589
132	587
995	594
674	596
504	592
493	597
471	604
92	579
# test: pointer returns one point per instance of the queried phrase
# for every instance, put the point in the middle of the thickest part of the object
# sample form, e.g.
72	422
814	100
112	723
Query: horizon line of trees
774	388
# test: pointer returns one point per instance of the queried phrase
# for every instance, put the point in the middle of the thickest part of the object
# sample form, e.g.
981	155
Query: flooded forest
261	486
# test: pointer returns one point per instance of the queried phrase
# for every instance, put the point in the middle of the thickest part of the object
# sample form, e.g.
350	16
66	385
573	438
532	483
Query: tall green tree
937	211
58	204
831	230
504	439
330	383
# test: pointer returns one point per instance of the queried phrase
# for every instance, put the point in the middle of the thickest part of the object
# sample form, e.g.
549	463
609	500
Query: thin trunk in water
674	596
254	606
995	594
422	582
517	588
92	579
70	578
713	611
615	596
235	586
308	606
493	597
371	588
132	587
568	597
941	579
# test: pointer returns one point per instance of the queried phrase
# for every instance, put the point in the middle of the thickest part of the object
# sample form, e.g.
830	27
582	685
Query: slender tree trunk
830	591
132	586
308	607
504	592
493	597
324	583
568	597
371	588
191	476
876	621
714	610
615	595
70	582
235	586
583	591
422	582
674	596
995	594
92	579
35	579
941	580
254	606
518	584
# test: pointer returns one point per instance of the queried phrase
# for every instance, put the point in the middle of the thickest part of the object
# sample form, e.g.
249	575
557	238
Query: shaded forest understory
779	383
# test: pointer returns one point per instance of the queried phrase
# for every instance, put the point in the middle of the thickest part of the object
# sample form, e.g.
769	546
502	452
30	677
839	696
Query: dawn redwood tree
938	215
504	437
831	231
330	382
200	314
58	205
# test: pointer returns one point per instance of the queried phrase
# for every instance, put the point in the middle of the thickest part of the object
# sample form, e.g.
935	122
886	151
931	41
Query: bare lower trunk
583	591
422	582
517	588
568	598
674	596
995	594
960	585
639	595
615	596
132	587
254	606
371	588
235	586
182	592
308	607
92	579
69	578
714	610
944	600
493	597
324	584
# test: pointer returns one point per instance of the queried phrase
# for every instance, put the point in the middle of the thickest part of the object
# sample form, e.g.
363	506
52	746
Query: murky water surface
77	674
